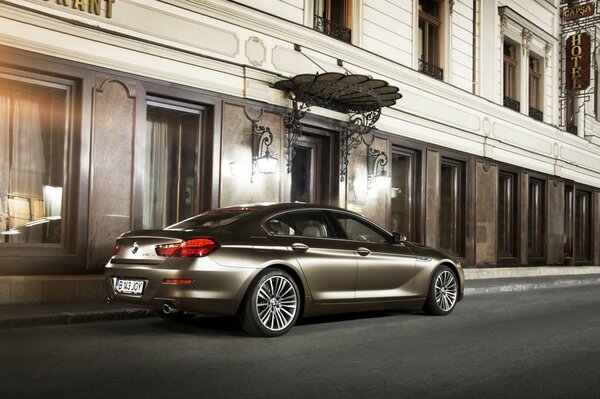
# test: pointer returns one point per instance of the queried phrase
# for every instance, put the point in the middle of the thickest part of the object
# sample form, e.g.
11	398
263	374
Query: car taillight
192	248
117	249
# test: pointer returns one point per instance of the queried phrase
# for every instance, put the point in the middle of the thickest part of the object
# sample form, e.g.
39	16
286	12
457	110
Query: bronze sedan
270	264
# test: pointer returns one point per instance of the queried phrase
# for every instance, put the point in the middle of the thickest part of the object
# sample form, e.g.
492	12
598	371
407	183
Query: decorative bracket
262	158
293	125
376	160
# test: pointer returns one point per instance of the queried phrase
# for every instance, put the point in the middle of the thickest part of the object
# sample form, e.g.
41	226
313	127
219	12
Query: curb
526	286
76	317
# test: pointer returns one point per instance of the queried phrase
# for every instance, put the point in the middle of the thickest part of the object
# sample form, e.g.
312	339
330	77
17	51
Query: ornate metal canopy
359	96
349	94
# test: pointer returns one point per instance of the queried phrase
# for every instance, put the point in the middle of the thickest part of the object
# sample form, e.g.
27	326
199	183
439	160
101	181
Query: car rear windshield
213	219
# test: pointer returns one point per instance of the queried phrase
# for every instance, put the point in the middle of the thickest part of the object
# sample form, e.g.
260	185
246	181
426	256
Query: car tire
271	305
443	292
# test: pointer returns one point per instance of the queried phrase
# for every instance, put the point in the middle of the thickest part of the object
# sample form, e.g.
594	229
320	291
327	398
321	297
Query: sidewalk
479	282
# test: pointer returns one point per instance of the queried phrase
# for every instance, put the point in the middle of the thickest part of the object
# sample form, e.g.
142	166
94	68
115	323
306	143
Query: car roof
283	206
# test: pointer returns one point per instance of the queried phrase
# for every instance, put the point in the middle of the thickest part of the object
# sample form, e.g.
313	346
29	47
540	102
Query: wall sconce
262	158
376	161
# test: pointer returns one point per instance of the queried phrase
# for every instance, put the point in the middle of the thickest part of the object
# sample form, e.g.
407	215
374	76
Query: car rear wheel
271	306
443	292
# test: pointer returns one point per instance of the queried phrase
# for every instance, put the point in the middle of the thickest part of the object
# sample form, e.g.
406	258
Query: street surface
533	344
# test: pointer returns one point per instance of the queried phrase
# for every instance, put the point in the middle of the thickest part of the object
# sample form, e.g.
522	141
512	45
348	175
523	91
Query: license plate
134	287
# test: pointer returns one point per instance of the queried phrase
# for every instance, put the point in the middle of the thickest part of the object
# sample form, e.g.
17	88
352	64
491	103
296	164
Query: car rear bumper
213	290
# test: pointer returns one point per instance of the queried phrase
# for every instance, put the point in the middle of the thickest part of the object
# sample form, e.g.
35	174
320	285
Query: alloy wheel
276	303
445	290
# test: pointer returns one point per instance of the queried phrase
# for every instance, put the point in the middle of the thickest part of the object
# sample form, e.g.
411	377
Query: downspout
474	46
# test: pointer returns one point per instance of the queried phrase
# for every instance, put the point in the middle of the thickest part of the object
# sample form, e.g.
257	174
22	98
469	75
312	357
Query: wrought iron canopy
359	96
349	94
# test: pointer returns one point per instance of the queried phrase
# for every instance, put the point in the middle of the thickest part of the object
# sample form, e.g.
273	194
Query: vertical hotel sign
578	61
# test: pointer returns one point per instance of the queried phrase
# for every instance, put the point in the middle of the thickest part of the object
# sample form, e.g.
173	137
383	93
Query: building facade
127	114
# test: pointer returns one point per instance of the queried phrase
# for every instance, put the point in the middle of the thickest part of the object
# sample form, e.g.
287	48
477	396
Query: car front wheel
271	306
443	292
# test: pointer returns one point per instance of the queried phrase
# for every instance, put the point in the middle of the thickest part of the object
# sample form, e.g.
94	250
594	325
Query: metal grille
512	104
325	26
431	69
536	114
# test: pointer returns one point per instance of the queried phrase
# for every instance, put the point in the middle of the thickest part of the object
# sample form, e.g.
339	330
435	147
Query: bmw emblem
135	248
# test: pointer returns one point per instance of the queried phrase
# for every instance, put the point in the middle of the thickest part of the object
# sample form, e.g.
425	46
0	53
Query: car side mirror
399	238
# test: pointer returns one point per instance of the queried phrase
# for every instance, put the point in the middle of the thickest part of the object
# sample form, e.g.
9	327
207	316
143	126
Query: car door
329	264
386	270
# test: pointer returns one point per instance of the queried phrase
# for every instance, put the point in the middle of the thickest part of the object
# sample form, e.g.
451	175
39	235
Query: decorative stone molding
548	53
526	37
503	25
255	51
486	166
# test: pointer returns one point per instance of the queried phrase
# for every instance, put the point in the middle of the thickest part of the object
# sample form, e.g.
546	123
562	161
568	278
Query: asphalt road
533	344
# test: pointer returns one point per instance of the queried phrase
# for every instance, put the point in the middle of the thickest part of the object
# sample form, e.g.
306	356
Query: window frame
158	95
430	64
511	218
414	183
510	76
458	225
536	78
325	24
585	229
70	163
536	222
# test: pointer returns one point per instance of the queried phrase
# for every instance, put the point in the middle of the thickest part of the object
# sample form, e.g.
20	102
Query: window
35	122
303	174
451	209
583	225
213	219
170	182
507	214
536	218
535	90
429	38
310	224
357	230
404	191
310	177
510	76
281	226
568	247
333	17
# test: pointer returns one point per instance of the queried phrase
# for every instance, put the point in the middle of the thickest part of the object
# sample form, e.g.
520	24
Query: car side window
280	225
358	230
310	224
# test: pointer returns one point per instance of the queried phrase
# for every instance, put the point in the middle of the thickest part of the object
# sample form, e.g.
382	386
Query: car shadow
344	317
221	325
210	324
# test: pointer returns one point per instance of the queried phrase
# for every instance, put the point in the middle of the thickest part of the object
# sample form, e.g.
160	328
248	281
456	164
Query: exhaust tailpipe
109	300
169	308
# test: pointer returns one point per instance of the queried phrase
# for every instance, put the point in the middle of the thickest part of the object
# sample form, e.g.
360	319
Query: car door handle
298	247
362	251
